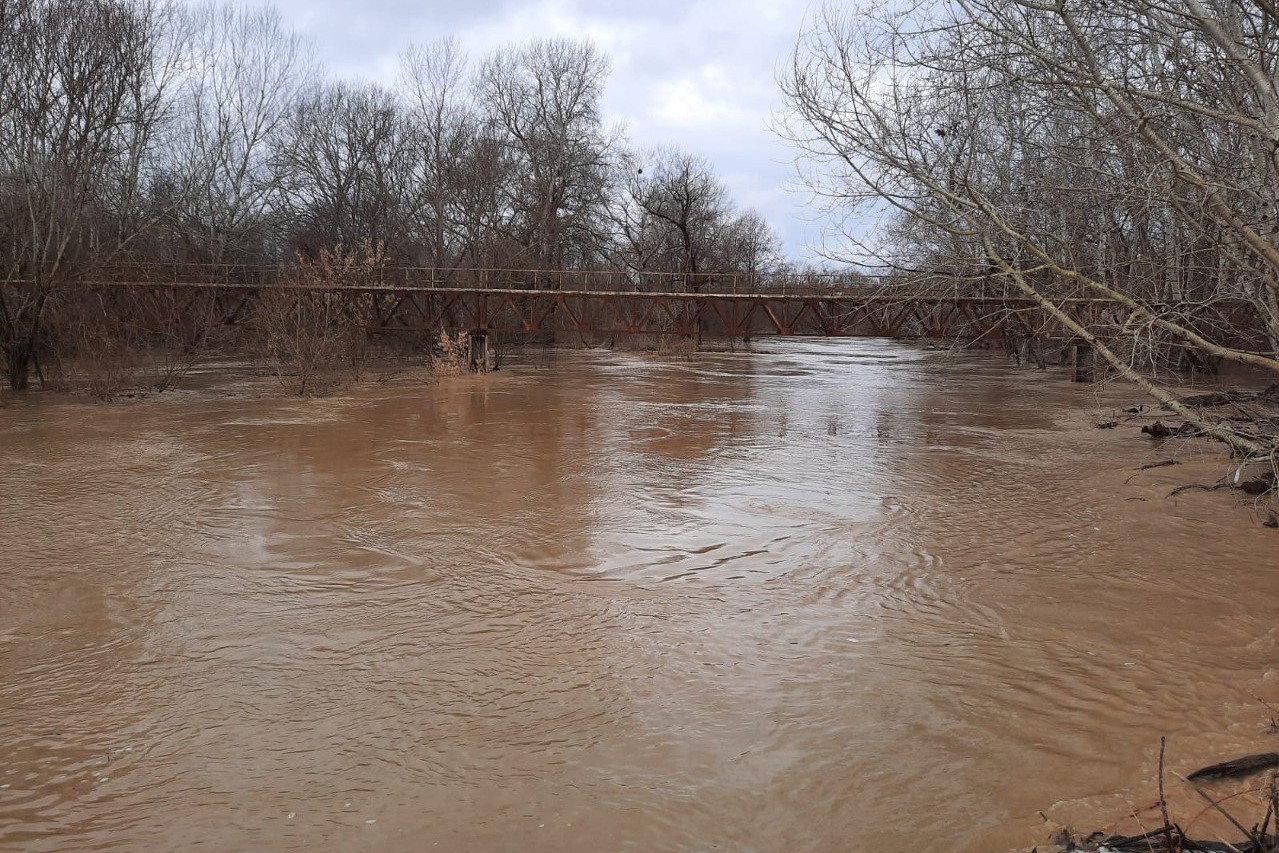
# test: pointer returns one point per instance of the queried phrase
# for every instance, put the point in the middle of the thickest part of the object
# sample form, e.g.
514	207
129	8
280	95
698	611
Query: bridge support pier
1082	362
478	356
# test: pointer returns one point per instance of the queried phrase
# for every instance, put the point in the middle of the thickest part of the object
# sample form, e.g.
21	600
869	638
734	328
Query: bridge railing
469	278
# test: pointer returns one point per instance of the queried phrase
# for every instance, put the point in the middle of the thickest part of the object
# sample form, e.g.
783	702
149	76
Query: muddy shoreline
1254	409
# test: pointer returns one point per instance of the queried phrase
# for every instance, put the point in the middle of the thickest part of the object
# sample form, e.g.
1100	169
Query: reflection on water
826	596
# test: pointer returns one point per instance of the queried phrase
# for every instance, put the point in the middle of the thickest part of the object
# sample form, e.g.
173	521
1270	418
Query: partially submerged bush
452	355
320	335
106	343
301	334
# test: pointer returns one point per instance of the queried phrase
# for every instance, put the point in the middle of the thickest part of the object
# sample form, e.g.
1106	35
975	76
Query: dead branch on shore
1172	837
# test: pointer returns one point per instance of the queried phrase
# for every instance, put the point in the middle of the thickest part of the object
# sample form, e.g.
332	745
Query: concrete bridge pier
1083	362
479	354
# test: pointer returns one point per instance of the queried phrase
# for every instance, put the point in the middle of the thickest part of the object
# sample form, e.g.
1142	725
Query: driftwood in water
1222	398
1237	767
1165	839
1159	430
1258	487
1264	484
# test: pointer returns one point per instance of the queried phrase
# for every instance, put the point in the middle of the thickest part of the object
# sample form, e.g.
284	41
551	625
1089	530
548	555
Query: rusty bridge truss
606	304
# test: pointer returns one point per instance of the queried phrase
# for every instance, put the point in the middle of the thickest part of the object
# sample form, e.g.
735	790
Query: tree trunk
18	357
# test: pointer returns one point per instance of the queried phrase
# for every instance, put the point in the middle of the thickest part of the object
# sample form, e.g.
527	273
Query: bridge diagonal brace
572	315
868	317
453	313
694	310
805	307
925	323
540	309
632	315
599	312
895	324
989	324
943	315
780	325
743	328
384	317
507	303
234	317
833	320
729	325
676	320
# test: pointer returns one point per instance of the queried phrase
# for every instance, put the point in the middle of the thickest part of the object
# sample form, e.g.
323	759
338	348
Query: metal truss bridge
604	304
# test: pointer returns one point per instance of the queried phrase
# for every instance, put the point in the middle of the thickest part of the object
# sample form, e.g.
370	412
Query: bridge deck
611	302
499	305
884	296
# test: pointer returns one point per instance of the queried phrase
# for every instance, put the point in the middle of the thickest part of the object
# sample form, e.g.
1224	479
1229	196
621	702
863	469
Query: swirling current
842	595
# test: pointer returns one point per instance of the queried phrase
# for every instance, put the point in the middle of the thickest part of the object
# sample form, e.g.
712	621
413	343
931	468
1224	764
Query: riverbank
1228	807
1252	412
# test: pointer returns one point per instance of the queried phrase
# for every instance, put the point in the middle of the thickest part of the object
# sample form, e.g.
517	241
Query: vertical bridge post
479	351
1082	362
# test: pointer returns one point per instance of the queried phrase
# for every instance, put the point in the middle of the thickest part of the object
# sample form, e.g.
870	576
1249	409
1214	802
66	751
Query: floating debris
1237	767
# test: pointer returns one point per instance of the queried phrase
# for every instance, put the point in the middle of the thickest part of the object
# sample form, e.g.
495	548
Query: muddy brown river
825	596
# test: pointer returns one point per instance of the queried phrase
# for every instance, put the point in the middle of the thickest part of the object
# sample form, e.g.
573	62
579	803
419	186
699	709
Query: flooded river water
825	596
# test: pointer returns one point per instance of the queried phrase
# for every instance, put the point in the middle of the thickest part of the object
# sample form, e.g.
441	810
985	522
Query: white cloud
694	73
704	98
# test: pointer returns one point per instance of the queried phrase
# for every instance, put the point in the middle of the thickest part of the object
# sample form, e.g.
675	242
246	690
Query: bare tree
442	144
672	214
1019	147
544	98
247	74
689	204
81	98
749	245
341	165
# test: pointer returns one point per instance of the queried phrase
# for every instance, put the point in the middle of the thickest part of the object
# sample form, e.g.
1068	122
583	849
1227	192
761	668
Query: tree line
1126	149
143	131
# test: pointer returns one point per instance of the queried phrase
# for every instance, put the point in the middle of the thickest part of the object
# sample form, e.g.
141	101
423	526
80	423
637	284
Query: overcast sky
697	73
